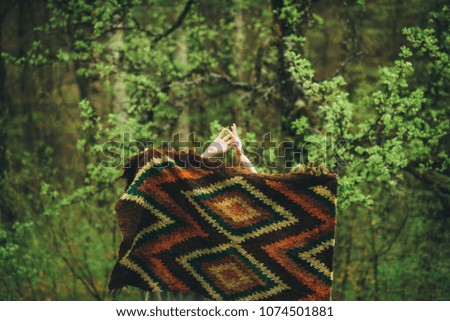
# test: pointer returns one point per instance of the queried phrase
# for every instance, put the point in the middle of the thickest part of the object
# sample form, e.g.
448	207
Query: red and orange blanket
195	225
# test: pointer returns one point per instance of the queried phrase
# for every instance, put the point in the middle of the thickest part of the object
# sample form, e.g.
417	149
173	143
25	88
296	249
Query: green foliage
18	270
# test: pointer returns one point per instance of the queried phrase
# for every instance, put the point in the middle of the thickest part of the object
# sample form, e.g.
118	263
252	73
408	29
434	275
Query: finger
234	128
221	133
224	131
228	136
234	136
228	142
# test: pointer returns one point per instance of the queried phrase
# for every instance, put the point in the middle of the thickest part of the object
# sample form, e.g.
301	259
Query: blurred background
85	84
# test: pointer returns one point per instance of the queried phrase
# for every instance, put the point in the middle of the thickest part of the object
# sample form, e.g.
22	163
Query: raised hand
236	144
221	144
241	159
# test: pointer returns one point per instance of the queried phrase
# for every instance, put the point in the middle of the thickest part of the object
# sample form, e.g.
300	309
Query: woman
224	142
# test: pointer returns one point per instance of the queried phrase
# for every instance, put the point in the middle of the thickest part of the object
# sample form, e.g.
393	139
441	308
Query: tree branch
177	23
426	178
344	64
396	235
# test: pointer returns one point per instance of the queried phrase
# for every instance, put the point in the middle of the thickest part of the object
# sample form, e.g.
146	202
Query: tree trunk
238	58
183	127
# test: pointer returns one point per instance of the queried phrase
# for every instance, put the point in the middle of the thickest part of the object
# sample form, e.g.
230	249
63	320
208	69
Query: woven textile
224	232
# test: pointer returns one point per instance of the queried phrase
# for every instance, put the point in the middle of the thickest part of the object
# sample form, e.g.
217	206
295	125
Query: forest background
77	74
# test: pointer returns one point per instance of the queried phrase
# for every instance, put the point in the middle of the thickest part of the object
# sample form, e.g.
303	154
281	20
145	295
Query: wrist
205	154
209	152
239	151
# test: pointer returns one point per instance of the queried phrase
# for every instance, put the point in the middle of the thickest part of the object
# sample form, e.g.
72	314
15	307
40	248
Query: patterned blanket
224	232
